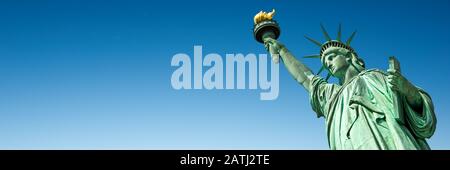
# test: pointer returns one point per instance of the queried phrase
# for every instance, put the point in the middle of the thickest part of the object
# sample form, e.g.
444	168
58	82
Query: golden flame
263	16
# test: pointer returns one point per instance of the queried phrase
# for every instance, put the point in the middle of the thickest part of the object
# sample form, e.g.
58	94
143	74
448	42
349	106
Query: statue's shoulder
373	72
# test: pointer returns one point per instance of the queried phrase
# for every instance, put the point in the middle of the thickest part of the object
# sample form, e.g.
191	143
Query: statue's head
337	56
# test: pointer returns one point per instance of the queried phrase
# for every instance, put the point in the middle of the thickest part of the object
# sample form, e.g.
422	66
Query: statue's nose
328	64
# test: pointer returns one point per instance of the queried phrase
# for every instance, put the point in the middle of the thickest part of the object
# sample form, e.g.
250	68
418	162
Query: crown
331	43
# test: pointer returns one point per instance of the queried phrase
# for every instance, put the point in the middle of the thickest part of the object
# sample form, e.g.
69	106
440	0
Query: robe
366	114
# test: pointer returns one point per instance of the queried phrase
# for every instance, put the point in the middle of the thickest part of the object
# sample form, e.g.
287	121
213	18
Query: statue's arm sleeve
422	122
320	95
299	71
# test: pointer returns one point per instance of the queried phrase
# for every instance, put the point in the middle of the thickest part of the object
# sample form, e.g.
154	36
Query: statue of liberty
368	108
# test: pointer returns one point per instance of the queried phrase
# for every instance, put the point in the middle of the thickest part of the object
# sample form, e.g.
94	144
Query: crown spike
320	70
325	33
312	56
351	38
328	77
339	33
314	41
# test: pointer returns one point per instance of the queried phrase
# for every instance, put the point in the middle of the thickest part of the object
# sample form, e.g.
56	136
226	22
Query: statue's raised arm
266	30
299	71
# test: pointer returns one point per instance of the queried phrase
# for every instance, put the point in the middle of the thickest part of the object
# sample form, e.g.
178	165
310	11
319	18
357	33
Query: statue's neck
349	74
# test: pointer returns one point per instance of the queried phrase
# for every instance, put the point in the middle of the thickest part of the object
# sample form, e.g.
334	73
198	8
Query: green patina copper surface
367	109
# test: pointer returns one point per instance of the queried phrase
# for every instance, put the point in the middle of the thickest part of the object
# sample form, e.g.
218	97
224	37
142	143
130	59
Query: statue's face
335	59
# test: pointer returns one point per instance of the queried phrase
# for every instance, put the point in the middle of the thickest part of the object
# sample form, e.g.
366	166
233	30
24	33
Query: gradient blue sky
79	74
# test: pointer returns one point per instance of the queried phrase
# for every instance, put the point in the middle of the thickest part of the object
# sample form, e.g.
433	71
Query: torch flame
263	16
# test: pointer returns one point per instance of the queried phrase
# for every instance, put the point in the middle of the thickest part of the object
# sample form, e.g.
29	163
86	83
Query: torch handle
268	34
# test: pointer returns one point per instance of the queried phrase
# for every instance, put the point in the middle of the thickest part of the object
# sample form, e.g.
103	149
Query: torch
265	27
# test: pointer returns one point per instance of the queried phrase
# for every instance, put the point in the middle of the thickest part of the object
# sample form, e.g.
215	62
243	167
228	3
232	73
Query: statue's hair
358	60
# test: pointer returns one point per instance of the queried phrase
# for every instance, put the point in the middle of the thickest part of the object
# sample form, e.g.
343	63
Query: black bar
168	159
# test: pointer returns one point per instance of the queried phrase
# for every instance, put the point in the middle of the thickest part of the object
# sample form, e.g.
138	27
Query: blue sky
96	74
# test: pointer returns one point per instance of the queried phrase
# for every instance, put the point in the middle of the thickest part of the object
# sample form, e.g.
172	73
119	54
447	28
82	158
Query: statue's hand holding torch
266	30
274	47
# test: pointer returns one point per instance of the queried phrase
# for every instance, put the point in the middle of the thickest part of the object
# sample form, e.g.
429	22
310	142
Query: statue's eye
330	57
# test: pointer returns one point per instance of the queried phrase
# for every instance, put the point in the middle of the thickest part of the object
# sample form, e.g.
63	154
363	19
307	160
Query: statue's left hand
397	82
